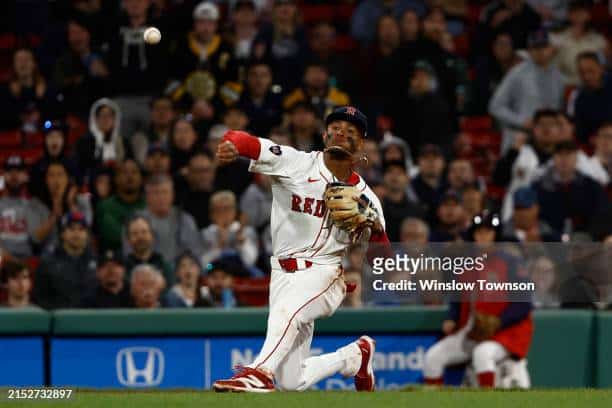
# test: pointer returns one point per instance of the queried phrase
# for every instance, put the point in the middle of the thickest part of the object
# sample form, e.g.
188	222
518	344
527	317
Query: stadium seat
30	155
252	291
476	123
315	13
34	139
11	139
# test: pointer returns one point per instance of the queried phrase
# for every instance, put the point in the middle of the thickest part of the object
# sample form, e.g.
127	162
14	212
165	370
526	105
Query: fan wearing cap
24	223
525	224
69	271
111	289
569	199
306	280
203	62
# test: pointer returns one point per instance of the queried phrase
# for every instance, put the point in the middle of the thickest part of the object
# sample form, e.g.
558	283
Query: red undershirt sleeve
247	145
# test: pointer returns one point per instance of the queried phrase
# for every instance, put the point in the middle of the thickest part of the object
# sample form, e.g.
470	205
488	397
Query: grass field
413	399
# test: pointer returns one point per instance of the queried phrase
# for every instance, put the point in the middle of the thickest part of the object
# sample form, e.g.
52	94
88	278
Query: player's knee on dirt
483	356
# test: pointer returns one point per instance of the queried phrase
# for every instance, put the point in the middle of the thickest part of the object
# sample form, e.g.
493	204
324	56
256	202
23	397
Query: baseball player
320	207
484	331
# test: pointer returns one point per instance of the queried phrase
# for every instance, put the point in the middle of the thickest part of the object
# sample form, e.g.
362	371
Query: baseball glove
348	209
485	326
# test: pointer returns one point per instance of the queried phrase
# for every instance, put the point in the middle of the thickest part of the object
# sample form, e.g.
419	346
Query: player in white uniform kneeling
320	207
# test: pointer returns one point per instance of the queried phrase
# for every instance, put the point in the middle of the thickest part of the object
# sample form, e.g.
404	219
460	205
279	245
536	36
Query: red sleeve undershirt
247	145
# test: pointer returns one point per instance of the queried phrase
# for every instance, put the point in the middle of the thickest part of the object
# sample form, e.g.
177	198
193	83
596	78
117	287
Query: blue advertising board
131	363
22	361
198	362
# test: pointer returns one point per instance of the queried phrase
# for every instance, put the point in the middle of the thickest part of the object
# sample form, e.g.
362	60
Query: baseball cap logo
351	111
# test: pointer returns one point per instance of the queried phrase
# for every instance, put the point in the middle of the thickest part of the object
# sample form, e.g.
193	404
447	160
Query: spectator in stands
174	229
226	235
256	202
163	115
244	18
569	199
473	200
186	292
111	290
218	291
129	57
158	160
146	286
194	190
414	231
579	37
25	223
451	219
512	16
429	185
410	26
261	103
533	84
353	299
283	43
68	272
317	91
381	67
519	165
552	12
139	247
525	224
54	150
80	72
16	277
60	195
592	104
370	167
112	212
234	176
304	127
100	187
421	114
460	175
183	144
396	204
600	163
27	97
235	118
203	62
542	273
322	44
393	148
368	12
103	144
491	68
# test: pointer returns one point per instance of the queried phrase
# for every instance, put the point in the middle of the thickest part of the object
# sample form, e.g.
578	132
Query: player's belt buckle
294	264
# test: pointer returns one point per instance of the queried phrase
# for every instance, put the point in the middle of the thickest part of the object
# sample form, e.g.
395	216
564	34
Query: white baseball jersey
300	224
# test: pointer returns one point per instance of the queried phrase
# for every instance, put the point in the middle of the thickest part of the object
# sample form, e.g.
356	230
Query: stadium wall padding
571	348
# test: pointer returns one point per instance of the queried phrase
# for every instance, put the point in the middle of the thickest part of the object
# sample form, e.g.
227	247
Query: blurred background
111	197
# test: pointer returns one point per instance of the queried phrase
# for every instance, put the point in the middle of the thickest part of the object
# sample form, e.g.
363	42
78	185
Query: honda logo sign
140	366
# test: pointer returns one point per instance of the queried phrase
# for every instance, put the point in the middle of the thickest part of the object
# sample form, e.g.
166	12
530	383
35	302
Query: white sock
346	360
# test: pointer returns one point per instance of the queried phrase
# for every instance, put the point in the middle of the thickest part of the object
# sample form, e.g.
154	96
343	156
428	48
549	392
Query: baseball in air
152	35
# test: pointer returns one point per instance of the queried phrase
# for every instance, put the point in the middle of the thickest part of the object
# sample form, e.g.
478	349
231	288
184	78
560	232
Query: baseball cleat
246	380
364	379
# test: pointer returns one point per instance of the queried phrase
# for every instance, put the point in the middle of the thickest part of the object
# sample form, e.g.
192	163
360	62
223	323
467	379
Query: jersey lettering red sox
300	224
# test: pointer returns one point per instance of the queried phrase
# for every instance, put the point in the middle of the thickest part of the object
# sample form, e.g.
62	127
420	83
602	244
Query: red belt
291	264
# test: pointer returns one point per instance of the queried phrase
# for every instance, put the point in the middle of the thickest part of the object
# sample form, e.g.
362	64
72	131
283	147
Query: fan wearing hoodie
103	144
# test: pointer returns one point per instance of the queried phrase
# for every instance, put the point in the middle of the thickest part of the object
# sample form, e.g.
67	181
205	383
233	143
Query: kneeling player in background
482	331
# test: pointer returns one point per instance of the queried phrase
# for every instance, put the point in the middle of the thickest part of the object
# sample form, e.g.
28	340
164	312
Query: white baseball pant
457	348
296	300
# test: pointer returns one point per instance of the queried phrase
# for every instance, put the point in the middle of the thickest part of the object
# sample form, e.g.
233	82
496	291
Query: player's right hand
226	153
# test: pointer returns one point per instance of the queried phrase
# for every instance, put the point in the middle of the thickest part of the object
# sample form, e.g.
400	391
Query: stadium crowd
111	194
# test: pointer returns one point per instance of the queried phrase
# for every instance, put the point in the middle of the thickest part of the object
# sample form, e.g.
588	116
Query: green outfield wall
571	348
